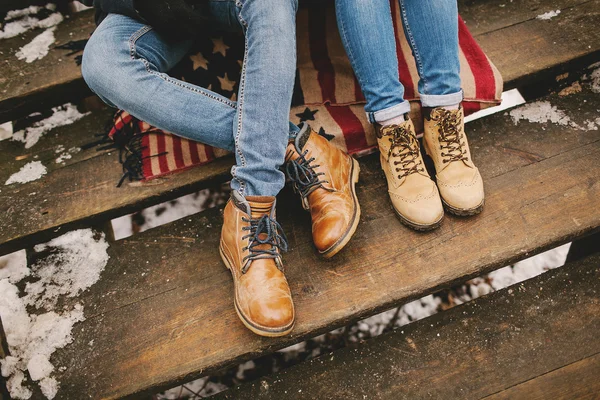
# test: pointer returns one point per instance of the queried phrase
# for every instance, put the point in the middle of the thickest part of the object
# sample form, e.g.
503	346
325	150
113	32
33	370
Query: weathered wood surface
51	81
534	340
82	191
91	182
162	311
575	381
520	45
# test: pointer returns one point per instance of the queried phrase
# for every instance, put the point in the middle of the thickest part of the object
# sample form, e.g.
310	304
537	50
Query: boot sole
343	241
463	212
259	330
418	227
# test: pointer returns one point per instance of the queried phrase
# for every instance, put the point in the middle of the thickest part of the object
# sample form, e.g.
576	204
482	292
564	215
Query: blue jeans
431	28
125	64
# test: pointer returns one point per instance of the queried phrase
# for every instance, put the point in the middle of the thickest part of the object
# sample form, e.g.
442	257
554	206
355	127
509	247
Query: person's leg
251	238
125	64
367	33
431	28
261	126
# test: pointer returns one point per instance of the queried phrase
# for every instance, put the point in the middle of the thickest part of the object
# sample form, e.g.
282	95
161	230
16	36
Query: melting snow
540	111
63	115
38	48
75	262
21	21
548	15
31	171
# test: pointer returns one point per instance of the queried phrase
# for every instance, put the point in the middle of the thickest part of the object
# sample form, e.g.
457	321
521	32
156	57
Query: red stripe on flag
210	155
177	152
320	56
352	129
470	107
194	152
146	163
162	159
485	84
403	71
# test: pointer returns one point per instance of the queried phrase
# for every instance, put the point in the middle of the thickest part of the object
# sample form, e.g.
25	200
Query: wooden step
89	184
534	340
81	191
49	82
521	46
162	311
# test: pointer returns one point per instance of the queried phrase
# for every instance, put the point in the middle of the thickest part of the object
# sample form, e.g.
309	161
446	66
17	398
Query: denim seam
133	53
413	45
240	109
134	38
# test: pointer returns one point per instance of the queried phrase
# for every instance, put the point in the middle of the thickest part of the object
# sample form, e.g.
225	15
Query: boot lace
269	229
303	175
404	150
451	145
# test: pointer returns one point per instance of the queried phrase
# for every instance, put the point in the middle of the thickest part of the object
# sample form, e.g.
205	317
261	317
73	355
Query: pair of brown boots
251	239
417	200
325	177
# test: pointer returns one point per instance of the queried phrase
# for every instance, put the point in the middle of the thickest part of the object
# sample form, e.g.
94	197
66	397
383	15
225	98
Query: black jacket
176	19
105	7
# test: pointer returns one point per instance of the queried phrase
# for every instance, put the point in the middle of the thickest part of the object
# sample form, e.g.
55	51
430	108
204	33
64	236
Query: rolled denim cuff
389	113
441	100
295	130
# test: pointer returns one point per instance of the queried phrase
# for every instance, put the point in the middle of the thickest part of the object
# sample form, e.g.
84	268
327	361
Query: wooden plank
534	340
537	50
82	191
162	311
576	381
520	45
485	16
49	82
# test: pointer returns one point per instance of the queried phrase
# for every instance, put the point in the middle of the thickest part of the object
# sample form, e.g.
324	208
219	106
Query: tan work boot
414	196
325	177
250	243
458	180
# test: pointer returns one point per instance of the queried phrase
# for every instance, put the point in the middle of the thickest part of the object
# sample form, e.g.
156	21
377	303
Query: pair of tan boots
325	178
417	200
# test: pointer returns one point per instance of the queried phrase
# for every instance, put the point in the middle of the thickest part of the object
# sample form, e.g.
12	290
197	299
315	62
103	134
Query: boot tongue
260	205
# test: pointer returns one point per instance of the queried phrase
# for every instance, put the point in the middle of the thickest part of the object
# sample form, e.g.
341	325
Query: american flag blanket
326	94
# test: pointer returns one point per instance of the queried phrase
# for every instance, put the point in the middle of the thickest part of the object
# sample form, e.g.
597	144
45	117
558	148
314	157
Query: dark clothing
105	7
177	19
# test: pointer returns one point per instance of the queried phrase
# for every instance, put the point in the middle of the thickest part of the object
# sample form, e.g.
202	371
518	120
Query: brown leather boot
325	177
250	243
414	196
458	179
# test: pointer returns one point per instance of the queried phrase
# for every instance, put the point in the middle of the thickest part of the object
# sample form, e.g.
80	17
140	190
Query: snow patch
66	155
6	130
75	262
548	15
595	81
38	48
543	111
21	21
540	111
30	172
62	115
14	266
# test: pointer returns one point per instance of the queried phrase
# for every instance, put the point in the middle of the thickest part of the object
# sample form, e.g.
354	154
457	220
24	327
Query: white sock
452	107
393	121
